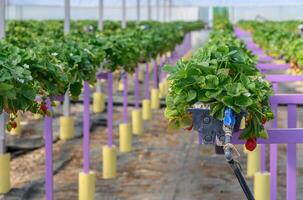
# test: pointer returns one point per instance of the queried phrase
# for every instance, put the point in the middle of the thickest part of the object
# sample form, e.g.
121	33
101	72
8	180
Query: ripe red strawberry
13	124
251	144
189	128
43	107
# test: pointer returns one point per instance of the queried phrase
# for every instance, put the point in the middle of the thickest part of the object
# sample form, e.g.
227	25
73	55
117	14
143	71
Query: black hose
237	171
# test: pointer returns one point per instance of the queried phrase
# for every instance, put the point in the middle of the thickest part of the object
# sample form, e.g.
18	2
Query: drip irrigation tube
235	166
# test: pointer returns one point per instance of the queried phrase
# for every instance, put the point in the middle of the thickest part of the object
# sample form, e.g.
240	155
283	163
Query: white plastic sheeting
181	9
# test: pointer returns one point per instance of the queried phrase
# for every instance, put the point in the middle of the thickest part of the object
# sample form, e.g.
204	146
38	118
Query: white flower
20	80
54	54
247	94
26	66
60	66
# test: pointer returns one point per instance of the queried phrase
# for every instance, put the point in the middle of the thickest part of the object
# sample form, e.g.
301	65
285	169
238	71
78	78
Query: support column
2	19
109	154
66	121
87	179
48	137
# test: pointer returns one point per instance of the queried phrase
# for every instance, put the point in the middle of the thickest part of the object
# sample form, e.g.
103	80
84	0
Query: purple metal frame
48	139
272	66
86	125
109	77
289	136
146	83
137	88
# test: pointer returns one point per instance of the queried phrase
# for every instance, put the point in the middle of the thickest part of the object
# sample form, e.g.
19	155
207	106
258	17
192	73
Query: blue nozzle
229	119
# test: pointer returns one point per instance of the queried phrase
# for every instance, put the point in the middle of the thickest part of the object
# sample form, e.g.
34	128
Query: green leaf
211	81
243	101
169	69
5	87
75	89
191	95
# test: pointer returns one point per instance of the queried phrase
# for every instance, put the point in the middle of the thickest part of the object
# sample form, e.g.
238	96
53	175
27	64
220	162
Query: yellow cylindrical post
87	186
146	109
18	129
279	61
125	138
141	74
120	86
253	161
155	100
67	129
37	116
150	67
109	155
5	183
98	102
137	122
262	186
166	86
57	103
161	90
158	60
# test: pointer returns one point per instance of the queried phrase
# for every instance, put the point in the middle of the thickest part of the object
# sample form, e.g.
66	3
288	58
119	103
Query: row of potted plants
221	74
44	62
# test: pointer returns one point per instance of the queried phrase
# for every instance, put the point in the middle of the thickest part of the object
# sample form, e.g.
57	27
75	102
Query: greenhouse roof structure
174	2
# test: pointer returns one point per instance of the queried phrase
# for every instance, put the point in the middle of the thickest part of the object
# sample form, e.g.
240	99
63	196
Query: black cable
237	171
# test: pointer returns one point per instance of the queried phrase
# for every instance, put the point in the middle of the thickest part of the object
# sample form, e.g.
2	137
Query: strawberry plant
222	74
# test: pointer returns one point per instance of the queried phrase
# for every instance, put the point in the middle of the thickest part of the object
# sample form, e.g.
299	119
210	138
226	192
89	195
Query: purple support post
48	139
274	152
146	83
291	176
189	41
155	74
137	89
110	109
262	157
86	142
125	97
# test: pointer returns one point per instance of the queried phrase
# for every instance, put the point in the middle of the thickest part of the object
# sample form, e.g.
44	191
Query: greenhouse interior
151	99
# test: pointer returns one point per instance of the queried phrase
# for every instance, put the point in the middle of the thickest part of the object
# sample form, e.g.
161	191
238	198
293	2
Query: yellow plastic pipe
253	161
155	100
109	155
87	186
5	183
67	129
98	102
262	186
125	138
146	109
18	129
137	122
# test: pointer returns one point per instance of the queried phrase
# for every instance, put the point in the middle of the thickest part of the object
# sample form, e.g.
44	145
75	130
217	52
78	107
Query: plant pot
210	128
